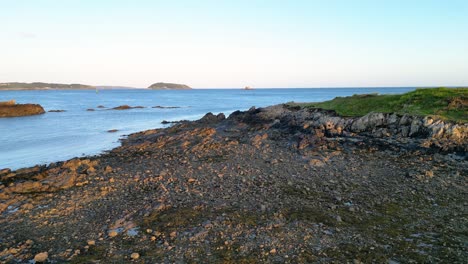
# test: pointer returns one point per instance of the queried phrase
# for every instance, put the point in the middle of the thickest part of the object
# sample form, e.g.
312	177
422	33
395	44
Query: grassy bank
446	103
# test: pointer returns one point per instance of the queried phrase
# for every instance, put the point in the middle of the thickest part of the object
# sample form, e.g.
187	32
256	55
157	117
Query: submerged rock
126	107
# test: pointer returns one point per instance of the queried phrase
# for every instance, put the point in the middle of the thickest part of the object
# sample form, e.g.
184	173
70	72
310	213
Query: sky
231	44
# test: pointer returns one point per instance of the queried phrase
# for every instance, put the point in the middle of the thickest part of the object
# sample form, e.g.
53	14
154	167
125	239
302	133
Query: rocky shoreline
279	184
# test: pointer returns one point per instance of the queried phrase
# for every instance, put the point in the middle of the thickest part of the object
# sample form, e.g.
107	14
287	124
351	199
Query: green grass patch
445	103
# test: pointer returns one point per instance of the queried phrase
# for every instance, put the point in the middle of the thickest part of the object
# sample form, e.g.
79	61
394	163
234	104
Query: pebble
113	233
91	242
135	256
41	257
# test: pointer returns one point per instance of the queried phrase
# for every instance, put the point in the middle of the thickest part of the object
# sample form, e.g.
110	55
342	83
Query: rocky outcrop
48	179
425	132
210	118
10	109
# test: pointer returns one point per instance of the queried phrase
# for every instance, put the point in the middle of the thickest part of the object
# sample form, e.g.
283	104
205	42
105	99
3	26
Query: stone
4	172
135	256
113	233
108	169
429	174
368	122
91	243
415	127
41	257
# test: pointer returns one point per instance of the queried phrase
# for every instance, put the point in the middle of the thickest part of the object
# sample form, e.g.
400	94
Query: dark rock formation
126	107
166	107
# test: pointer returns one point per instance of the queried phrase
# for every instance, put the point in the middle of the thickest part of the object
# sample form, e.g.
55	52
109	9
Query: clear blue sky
269	43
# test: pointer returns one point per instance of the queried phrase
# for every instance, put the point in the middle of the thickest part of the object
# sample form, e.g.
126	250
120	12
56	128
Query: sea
77	132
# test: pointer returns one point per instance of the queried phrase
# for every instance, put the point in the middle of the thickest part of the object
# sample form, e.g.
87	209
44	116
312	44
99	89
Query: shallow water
41	139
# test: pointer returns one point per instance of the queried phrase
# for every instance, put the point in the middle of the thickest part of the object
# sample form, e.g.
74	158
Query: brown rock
20	110
113	233
135	256
41	257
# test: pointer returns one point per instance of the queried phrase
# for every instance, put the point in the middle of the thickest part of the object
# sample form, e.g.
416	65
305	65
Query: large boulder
368	122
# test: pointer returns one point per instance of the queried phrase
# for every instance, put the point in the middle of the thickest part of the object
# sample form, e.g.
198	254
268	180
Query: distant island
42	86
169	86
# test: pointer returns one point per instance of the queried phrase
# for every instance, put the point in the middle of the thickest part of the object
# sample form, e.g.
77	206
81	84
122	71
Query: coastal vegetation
41	85
445	103
169	86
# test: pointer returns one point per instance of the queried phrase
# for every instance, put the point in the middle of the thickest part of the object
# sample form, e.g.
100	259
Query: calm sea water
27	141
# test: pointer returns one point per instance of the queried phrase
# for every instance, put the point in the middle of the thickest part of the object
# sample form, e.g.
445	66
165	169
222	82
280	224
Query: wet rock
126	107
166	107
